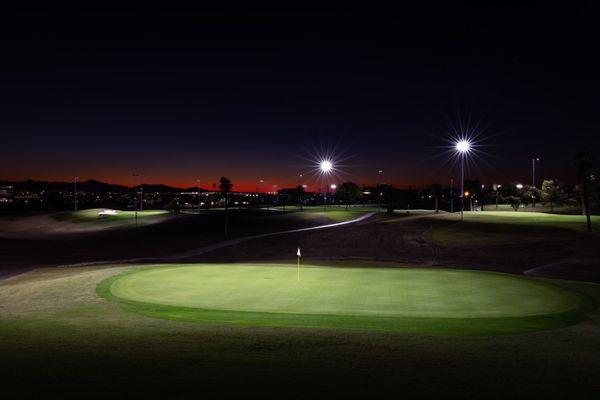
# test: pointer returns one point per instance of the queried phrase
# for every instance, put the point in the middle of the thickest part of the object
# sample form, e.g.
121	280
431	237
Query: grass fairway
91	216
386	299
498	227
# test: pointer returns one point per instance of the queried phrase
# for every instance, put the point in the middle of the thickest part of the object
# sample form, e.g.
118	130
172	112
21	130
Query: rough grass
58	337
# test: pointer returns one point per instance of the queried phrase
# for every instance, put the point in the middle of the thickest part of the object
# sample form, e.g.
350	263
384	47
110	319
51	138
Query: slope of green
416	300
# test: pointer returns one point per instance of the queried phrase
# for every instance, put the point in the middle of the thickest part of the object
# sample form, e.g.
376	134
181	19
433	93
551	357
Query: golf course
246	311
387	299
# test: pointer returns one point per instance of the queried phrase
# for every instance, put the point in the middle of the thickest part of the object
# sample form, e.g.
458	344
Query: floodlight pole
75	201
135	199
198	193
451	195
378	189
462	187
533	160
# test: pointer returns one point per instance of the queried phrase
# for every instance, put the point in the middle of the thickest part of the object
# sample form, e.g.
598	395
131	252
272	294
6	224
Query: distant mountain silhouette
91	185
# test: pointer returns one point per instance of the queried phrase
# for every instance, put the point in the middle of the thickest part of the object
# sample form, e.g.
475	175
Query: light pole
497	193
451	195
533	161
141	199
333	187
262	197
135	199
198	183
379	173
326	166
75	201
462	147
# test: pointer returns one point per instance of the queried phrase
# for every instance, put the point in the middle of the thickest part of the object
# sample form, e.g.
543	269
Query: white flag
298	253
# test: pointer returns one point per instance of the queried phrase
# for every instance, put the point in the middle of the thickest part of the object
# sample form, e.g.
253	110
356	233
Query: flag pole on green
299	255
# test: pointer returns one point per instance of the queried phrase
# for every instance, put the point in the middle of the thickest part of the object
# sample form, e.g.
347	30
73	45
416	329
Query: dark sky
250	93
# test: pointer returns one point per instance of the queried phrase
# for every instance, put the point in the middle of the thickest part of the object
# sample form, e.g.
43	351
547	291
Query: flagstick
298	254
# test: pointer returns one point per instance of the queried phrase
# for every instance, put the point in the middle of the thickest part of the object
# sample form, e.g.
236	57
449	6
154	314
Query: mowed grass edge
426	325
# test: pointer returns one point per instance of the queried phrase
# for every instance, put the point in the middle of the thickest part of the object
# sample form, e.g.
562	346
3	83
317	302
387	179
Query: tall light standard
326	166
135	198
333	187
462	147
260	191
451	195
497	193
379	173
533	161
198	184
75	201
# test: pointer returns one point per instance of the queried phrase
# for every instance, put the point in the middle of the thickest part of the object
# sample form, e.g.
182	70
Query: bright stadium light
463	146
326	166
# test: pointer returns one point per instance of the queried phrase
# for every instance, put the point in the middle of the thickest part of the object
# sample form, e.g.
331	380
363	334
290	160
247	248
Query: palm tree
584	162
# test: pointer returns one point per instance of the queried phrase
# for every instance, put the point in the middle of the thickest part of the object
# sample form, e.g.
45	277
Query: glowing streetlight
333	186
463	147
519	186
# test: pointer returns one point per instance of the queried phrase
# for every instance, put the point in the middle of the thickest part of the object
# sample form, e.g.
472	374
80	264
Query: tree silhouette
436	191
348	192
552	193
584	162
225	187
300	195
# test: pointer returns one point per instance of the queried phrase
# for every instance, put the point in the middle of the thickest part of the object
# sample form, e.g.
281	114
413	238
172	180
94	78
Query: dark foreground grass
58	339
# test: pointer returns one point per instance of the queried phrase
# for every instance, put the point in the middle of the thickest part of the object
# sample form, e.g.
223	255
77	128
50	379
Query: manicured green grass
91	216
59	339
409	300
530	218
497	227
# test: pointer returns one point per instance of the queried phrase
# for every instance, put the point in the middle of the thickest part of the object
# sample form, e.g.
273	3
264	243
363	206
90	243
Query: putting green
418	300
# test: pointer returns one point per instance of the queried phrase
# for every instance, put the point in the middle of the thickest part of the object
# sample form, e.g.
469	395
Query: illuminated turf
420	300
92	215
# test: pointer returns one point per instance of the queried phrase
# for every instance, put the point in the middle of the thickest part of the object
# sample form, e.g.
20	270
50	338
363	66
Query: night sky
252	93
